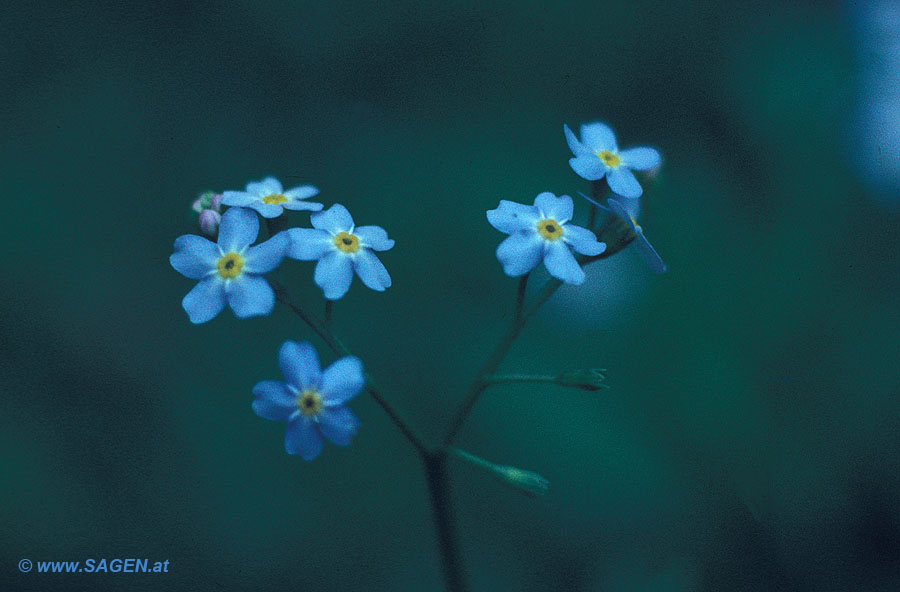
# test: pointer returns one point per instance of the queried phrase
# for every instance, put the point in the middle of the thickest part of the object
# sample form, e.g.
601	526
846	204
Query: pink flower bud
209	222
216	202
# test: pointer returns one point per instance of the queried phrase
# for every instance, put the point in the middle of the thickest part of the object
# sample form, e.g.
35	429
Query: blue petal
309	244
301	192
274	400
512	217
267	186
575	146
250	296
333	274
559	208
266	256
302	437
205	301
238	229
342	381
374	237
598	136
640	159
267	210
302	206
194	256
335	219
299	363
338	424
649	254
371	270
238	198
520	253
622	212
588	166
582	240
561	264
622	181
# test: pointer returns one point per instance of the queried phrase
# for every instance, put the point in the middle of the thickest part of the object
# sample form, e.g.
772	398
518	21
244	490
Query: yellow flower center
550	229
610	159
346	242
230	266
309	403
274	198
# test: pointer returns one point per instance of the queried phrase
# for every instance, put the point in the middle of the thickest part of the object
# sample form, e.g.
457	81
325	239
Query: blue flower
269	198
311	400
541	232
627	210
597	155
341	248
230	270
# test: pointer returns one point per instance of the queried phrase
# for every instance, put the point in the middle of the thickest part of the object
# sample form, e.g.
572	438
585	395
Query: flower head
627	210
597	155
341	248
230	270
542	233
270	199
311	400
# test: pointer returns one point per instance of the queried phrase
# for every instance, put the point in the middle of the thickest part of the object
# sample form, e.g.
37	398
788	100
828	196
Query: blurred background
749	437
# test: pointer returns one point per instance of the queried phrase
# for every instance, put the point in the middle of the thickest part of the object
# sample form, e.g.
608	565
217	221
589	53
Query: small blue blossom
341	248
230	270
628	210
597	155
311	400
270	199
541	233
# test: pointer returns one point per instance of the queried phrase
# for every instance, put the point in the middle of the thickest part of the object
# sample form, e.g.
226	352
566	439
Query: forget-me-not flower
628	210
341	248
230	270
311	400
541	233
597	155
270	199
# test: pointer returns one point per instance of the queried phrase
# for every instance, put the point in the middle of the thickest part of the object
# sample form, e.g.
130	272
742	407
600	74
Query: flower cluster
232	271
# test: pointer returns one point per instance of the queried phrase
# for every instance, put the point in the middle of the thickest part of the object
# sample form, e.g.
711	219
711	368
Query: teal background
749	438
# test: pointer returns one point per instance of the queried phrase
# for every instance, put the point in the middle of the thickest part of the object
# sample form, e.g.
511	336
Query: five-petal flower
341	248
270	199
597	155
542	233
628	210
311	400
230	270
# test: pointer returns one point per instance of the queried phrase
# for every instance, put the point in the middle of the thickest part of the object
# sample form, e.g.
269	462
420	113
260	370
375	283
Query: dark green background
748	442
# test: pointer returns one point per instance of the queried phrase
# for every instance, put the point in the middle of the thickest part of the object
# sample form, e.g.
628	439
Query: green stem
508	378
439	491
520	296
493	362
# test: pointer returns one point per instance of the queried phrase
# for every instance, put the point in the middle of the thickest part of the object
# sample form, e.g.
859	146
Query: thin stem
520	295
438	488
340	349
493	362
508	378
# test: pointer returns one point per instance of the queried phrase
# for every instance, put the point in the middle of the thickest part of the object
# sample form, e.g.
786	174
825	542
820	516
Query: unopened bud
589	379
215	203
529	482
209	222
204	202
